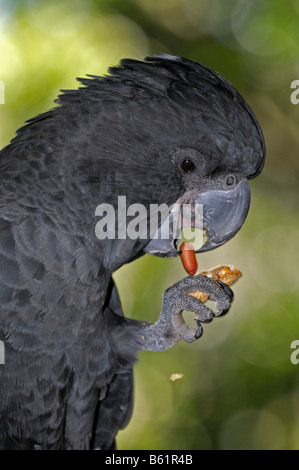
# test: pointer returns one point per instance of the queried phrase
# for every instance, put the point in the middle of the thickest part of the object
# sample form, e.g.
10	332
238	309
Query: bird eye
230	180
188	165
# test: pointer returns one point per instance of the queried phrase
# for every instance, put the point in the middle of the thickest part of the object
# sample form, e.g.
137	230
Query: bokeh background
239	388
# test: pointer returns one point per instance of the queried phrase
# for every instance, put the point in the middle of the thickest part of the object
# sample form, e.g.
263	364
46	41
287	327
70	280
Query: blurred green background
239	388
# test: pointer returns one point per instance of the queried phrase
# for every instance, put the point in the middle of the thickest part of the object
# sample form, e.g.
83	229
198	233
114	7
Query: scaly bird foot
171	327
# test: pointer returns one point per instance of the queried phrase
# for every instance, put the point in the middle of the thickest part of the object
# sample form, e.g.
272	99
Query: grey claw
227	289
199	330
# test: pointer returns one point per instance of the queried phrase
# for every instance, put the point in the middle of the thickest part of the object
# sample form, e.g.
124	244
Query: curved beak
222	214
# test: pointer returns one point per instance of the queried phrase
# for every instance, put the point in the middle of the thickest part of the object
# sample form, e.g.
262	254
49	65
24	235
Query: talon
226	288
223	312
208	317
192	334
199	330
223	307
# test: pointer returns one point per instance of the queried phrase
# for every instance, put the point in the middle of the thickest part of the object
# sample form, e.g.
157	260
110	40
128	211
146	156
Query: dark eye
230	180
188	165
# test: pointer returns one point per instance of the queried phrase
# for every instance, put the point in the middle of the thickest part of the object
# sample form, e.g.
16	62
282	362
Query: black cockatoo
164	130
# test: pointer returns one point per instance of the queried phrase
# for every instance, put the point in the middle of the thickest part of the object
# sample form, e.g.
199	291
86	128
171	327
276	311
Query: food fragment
228	274
188	258
176	376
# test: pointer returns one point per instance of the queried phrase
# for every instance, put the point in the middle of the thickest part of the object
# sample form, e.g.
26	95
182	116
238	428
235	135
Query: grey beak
223	214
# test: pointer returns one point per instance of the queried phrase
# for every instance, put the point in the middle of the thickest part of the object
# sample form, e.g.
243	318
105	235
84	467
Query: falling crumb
176	376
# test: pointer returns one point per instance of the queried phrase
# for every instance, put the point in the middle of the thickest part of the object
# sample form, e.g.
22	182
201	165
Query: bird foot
171	327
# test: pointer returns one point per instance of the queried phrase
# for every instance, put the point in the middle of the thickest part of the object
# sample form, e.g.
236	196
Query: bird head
166	130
